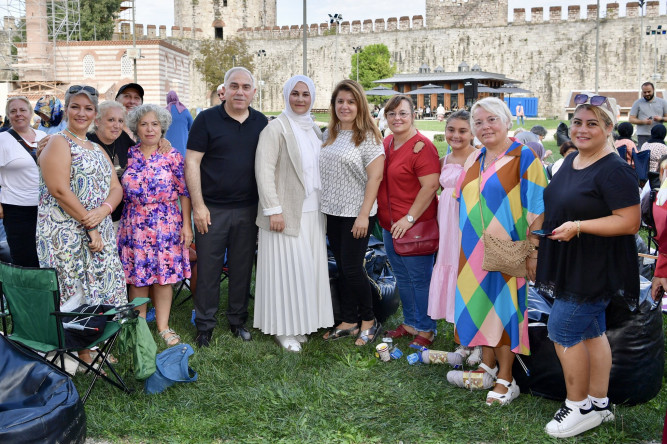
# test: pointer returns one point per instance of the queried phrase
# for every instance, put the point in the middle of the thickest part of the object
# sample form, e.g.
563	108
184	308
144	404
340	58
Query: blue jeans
413	277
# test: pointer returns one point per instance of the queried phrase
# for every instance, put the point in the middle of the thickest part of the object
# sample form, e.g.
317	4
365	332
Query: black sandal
337	333
374	331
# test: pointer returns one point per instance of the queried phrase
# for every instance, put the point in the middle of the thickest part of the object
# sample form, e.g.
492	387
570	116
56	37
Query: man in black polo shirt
220	174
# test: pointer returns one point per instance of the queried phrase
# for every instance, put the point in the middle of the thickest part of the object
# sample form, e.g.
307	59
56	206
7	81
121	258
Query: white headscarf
306	138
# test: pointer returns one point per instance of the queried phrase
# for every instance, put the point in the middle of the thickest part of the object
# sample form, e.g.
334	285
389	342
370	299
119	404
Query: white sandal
168	336
513	392
483	378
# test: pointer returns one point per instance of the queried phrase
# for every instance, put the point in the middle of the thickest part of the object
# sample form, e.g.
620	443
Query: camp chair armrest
136	302
64	314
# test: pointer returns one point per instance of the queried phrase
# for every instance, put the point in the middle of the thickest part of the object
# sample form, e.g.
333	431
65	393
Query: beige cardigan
279	174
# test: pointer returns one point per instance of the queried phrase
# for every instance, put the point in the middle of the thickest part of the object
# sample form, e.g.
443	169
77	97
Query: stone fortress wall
552	55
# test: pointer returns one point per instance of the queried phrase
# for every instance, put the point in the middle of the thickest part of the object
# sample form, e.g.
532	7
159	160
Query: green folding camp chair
33	304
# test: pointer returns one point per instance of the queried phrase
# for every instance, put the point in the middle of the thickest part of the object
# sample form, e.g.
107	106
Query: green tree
97	18
374	64
217	56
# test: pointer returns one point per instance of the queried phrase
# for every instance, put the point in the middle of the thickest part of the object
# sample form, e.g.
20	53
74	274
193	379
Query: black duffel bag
42	405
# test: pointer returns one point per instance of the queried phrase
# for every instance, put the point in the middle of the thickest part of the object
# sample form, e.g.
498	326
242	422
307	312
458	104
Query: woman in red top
407	194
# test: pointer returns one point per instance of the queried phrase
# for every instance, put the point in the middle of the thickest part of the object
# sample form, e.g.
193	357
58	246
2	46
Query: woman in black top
108	133
592	210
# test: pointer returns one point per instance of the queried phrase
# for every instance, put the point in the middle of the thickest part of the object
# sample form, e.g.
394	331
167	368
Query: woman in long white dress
292	297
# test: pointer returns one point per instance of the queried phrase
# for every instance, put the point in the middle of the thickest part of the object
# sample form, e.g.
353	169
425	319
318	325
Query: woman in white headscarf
292	297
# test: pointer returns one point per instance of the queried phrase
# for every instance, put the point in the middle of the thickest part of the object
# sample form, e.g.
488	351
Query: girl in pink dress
443	282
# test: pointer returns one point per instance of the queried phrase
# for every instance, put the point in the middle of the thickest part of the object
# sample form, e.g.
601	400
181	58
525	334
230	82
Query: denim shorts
572	322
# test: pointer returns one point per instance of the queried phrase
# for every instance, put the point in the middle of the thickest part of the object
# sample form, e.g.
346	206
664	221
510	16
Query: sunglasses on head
76	88
581	99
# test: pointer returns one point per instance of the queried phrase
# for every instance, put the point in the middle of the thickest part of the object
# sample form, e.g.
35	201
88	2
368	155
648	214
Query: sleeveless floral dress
84	277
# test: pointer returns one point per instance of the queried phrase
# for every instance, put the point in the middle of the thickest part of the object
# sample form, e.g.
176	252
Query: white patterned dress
84	277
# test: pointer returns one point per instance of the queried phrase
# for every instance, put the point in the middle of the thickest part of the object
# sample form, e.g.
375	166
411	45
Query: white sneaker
483	378
475	357
463	351
301	338
605	412
289	343
571	421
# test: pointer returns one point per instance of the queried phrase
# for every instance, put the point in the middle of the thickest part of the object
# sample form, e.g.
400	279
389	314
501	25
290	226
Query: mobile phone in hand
541	233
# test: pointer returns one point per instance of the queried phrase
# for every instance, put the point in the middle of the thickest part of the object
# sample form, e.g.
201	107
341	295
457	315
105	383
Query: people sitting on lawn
656	145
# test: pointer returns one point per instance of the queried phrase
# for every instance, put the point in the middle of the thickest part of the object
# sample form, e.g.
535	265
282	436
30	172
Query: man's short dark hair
649	84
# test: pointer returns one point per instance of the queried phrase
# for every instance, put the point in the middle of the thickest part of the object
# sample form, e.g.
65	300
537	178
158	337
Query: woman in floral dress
78	190
154	235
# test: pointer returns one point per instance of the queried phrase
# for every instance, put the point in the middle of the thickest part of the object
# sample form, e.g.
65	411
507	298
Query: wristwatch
410	218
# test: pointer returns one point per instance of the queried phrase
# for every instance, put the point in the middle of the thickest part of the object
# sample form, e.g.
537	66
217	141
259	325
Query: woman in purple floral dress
154	234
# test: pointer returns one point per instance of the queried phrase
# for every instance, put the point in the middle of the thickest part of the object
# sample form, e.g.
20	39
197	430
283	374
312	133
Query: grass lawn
330	393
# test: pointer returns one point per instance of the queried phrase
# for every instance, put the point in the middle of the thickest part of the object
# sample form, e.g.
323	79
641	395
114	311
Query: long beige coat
279	174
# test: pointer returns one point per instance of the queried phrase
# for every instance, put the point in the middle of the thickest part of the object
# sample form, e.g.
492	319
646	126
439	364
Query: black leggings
355	294
21	225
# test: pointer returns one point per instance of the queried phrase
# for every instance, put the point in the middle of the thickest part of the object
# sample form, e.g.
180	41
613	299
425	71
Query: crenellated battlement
153	32
535	15
403	23
558	14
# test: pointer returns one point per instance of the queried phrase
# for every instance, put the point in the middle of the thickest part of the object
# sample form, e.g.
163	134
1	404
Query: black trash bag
637	343
42	405
638	351
544	375
81	331
562	134
383	282
645	269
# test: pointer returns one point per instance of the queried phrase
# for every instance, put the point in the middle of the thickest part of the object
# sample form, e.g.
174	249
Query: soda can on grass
396	353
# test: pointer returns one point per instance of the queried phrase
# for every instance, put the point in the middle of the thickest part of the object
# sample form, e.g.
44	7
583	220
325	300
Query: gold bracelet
578	222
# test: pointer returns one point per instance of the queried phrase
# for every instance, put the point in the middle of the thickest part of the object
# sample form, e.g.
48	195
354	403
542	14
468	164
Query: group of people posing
103	201
282	188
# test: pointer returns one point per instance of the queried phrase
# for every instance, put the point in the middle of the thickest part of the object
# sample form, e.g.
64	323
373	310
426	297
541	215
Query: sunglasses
77	88
581	99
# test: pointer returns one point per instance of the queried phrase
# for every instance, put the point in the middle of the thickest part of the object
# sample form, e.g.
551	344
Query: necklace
594	158
498	156
83	140
109	148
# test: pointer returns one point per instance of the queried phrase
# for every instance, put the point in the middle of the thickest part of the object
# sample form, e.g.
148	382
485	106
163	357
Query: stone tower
222	18
465	13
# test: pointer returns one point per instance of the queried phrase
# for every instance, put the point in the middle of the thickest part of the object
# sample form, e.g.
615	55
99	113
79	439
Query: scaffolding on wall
125	22
29	52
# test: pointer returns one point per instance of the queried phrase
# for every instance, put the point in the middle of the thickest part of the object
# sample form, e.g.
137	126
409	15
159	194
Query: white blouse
343	171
